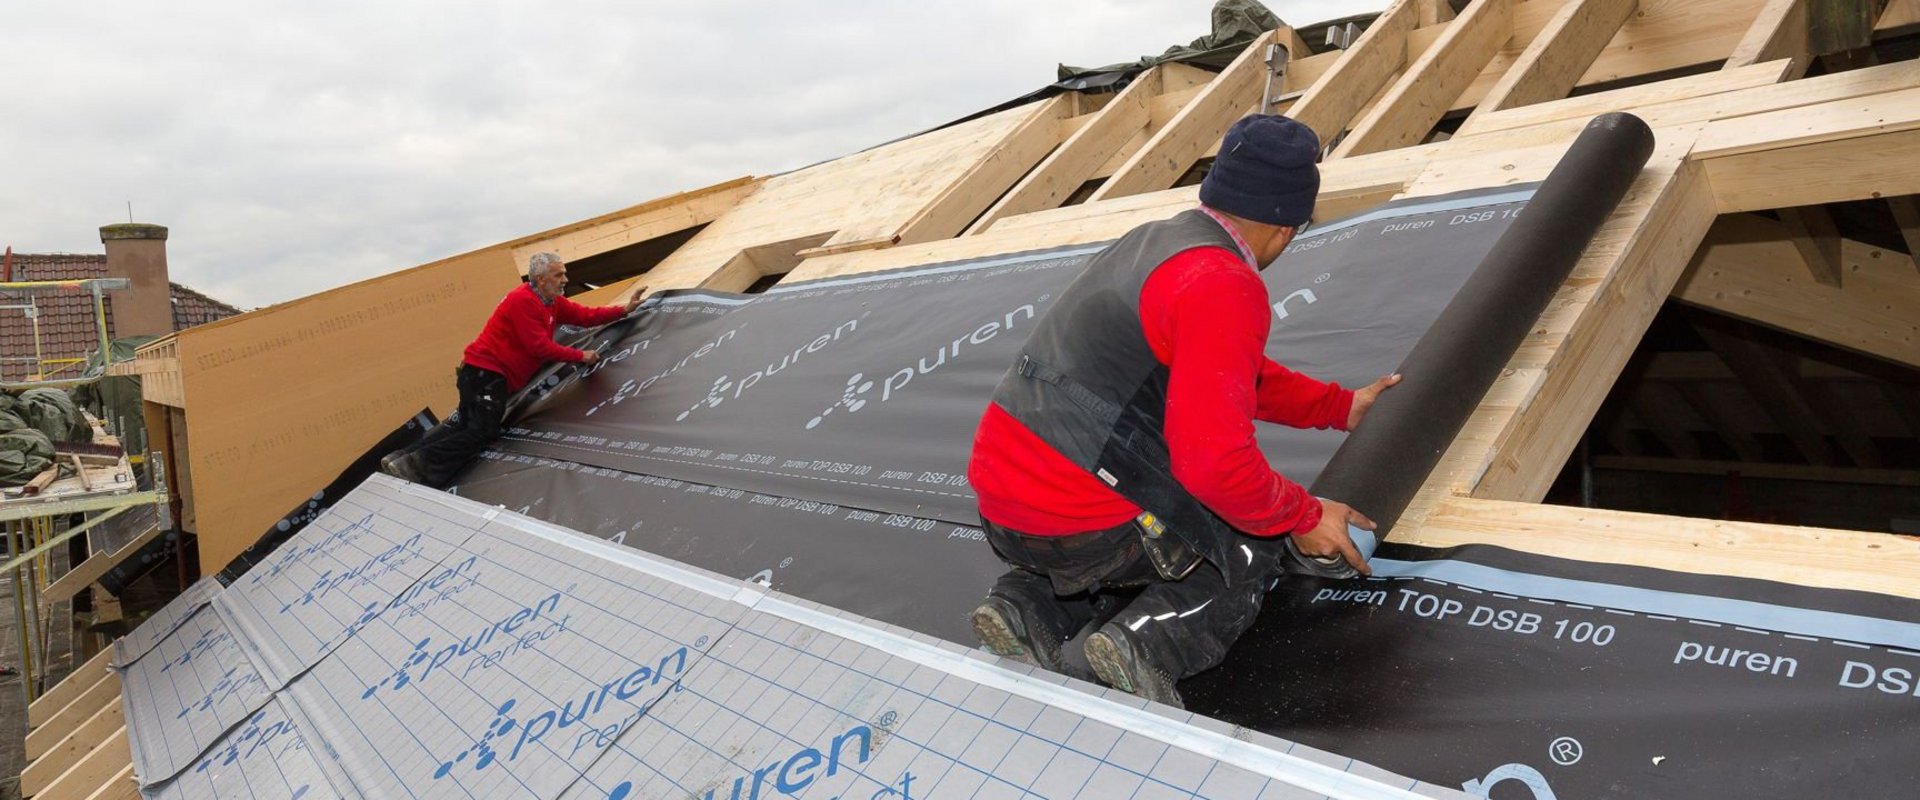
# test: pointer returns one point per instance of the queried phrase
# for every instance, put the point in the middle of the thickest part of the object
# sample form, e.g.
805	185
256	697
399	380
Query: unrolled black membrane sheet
865	391
815	439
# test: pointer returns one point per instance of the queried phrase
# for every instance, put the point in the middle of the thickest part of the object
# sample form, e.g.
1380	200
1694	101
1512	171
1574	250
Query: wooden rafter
1906	215
1552	65
1362	71
1427	89
1812	231
1197	128
1077	159
1779	31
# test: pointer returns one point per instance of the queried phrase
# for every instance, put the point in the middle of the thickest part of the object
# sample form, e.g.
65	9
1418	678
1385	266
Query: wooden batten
94	771
75	684
73	748
63	722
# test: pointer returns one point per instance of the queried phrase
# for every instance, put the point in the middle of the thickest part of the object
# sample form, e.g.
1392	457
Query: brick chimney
138	252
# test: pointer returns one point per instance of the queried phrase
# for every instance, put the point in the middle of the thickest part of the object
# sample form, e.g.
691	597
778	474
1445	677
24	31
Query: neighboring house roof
65	319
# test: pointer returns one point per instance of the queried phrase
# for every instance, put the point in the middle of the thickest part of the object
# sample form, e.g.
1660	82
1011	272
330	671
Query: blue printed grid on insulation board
347	565
643	679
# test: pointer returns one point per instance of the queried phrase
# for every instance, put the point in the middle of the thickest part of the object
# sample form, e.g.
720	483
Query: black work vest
1088	385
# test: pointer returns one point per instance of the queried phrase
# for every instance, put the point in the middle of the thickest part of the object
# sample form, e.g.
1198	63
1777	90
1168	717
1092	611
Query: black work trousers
441	454
1186	626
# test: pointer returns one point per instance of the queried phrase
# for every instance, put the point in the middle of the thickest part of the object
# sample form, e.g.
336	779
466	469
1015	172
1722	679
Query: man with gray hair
516	342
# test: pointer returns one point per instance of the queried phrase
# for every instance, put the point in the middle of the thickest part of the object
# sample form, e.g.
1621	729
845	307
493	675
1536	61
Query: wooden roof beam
1814	234
1778	31
1748	269
1906	215
1077	159
1854	560
1770	376
1534	415
1363	70
1197	128
1554	62
1430	84
1850	149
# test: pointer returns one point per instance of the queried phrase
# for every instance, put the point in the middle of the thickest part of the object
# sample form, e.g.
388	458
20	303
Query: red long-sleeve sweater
518	338
1204	312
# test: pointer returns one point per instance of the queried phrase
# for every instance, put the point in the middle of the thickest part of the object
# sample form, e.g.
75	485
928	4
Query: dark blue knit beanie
1265	171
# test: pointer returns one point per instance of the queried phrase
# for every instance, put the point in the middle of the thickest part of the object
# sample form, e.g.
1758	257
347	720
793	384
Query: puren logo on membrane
374	567
724	388
534	728
791	775
472	645
854	397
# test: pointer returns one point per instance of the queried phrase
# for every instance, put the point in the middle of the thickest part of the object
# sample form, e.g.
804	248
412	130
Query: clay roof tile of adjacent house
45	332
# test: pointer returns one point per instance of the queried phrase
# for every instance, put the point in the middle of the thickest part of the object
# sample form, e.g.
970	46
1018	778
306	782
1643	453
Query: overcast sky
295	146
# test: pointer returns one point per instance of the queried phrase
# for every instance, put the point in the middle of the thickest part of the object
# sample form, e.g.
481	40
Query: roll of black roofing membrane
1384	461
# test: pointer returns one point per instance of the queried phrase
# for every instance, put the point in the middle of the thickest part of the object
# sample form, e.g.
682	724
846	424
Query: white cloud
293	147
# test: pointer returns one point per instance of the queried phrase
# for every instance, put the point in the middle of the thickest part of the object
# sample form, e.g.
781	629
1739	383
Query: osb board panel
285	397
866	194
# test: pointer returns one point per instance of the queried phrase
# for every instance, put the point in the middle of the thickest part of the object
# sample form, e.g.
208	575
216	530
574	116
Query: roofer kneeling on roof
516	342
1118	455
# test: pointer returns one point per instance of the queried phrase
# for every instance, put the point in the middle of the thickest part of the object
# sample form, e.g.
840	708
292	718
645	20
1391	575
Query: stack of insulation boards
411	643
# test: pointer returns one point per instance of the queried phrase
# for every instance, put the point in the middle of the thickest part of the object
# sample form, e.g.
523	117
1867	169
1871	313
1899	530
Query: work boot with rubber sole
400	465
1122	663
1009	632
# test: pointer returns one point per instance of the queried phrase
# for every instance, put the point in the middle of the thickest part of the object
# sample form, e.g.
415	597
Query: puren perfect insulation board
411	643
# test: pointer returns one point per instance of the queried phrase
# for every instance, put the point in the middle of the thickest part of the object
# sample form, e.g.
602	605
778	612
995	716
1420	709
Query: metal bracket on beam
1342	36
1276	76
